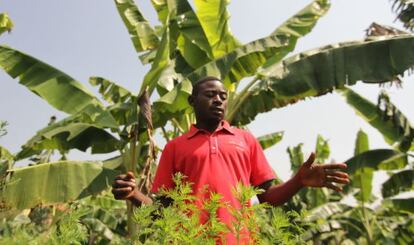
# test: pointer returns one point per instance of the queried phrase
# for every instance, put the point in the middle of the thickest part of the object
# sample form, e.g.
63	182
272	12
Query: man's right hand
125	188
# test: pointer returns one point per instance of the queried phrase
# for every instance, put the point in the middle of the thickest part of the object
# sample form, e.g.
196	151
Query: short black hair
201	81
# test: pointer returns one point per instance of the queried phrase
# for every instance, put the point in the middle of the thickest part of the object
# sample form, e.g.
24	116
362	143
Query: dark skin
210	104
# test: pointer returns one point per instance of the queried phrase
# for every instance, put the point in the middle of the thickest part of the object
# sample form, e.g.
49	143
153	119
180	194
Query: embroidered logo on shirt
238	144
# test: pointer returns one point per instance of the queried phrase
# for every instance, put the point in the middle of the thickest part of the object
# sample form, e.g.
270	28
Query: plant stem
239	99
132	229
176	124
364	214
165	134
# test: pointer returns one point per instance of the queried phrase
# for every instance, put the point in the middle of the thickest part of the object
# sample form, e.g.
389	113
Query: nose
217	99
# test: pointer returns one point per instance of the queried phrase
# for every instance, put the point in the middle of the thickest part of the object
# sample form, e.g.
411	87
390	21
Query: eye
223	96
209	94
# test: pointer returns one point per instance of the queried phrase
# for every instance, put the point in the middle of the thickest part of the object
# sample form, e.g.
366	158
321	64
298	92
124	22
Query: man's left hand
311	174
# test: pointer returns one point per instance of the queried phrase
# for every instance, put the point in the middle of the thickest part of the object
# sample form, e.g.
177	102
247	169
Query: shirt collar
224	125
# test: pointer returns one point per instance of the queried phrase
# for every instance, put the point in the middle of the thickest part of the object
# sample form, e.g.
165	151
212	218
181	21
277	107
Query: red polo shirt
217	160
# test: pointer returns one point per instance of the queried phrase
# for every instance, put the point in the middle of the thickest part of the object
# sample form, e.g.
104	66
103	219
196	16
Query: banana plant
90	124
339	221
387	222
187	46
396	130
404	10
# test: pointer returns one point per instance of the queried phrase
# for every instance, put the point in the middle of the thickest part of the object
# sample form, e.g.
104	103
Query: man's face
210	103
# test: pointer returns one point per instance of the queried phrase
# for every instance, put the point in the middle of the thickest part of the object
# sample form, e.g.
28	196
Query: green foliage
142	35
6	158
101	220
269	140
47	82
66	181
398	182
385	117
405	12
5	23
174	225
3	125
188	45
320	71
67	229
322	150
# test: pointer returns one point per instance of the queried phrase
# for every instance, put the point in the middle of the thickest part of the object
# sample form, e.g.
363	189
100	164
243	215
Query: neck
208	126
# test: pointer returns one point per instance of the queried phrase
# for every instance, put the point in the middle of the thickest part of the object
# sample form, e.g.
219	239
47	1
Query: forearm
277	195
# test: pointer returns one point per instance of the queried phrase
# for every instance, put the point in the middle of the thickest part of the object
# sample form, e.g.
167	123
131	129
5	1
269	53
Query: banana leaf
362	178
398	182
57	182
269	140
124	113
214	19
296	157
5	23
174	104
405	12
110	91
142	35
191	39
385	117
327	210
403	204
64	136
379	159
322	150
58	89
6	161
115	163
322	70
161	8
361	143
362	166
243	61
162	74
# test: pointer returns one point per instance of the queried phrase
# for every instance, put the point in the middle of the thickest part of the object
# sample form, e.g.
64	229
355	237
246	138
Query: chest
213	153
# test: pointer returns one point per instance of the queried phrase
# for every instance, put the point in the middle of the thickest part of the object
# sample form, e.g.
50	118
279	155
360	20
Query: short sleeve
165	170
261	171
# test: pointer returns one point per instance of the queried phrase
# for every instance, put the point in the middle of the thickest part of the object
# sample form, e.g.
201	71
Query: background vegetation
66	199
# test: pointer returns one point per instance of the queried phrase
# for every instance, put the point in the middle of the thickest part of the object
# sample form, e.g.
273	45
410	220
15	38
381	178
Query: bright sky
87	38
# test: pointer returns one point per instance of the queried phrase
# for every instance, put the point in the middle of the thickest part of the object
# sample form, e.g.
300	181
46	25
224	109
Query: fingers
122	193
332	176
333	187
339	174
335	166
123	186
310	160
130	175
121	183
333	179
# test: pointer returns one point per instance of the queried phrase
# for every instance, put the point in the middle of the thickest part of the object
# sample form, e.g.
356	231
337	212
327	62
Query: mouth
217	111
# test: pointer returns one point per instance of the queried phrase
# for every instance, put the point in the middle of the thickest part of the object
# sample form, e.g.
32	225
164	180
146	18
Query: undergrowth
101	220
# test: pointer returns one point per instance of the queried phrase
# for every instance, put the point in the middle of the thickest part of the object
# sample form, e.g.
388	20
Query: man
214	155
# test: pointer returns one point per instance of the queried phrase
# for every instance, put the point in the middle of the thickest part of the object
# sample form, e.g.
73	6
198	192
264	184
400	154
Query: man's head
209	100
